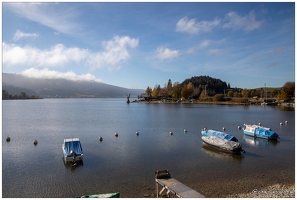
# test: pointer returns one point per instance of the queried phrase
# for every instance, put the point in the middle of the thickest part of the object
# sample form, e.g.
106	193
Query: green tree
148	91
23	95
5	94
169	85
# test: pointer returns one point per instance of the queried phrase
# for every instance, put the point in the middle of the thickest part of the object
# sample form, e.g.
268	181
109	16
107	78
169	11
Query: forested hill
213	85
16	83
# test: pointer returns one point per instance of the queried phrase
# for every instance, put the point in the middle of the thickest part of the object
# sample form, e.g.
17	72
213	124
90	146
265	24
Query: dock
170	185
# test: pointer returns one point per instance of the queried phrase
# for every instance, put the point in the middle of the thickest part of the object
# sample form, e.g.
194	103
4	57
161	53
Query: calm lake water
127	163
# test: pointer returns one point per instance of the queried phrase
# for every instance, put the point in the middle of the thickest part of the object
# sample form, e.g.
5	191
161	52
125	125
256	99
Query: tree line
205	87
22	95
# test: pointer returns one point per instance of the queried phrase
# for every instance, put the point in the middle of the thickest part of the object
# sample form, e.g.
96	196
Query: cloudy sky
136	45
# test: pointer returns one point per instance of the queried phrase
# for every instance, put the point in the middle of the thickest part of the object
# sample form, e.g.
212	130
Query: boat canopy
72	145
219	134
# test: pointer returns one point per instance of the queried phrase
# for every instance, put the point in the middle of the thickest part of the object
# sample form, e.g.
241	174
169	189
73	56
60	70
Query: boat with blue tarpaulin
221	141
260	132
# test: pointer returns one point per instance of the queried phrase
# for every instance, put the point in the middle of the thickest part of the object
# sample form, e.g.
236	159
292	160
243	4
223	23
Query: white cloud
19	35
165	53
51	74
60	18
193	27
115	51
215	51
246	23
204	44
56	56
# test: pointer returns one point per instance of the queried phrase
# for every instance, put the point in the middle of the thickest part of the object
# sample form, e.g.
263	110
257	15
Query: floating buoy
259	124
204	129
171	133
239	127
100	139
224	128
35	142
8	139
137	133
286	122
116	134
185	130
281	123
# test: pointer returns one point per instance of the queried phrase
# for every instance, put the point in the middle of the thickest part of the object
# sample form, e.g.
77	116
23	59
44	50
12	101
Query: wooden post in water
128	96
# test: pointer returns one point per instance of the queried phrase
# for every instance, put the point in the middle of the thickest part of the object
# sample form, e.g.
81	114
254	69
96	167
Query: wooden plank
178	188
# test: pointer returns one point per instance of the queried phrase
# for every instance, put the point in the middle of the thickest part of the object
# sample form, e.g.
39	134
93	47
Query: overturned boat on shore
72	150
259	132
221	141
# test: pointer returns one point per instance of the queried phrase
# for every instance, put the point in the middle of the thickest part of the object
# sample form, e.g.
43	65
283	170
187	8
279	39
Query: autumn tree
287	91
245	93
230	93
176	90
156	91
218	97
187	90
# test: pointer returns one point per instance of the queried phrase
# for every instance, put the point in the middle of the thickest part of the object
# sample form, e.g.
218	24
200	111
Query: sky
138	45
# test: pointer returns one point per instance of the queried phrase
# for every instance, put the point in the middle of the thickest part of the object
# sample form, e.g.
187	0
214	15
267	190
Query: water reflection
258	141
221	155
73	166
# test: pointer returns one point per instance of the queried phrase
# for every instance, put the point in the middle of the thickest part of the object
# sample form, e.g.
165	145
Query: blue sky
136	45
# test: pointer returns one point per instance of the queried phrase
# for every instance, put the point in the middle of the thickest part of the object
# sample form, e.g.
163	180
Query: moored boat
222	141
259	132
107	195
72	150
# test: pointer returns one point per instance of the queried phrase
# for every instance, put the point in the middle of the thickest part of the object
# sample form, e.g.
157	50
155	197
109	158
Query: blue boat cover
74	146
219	134
261	132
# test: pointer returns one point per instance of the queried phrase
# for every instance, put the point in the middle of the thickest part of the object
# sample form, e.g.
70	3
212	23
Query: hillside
16	83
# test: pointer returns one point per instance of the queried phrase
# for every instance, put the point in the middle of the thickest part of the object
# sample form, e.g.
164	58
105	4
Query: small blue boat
259	132
221	141
72	150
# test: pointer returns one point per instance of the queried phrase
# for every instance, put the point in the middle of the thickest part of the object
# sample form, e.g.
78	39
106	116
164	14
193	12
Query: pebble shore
274	191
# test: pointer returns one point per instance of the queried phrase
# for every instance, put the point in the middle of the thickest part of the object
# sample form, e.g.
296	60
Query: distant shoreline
213	102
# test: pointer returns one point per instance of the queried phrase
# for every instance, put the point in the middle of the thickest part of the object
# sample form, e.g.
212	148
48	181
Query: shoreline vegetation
21	96
228	101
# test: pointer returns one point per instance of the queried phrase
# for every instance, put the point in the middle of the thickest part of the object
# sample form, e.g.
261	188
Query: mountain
16	83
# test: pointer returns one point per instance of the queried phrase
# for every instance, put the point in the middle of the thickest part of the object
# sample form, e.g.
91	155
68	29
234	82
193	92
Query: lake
127	163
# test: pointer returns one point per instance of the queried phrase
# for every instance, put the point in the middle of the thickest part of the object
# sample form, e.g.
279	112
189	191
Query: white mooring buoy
7	139
224	128
35	142
239	127
137	133
171	133
259	124
116	134
185	130
100	139
286	122
281	123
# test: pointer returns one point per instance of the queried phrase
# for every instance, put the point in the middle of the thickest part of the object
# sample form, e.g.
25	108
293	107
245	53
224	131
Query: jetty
172	186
